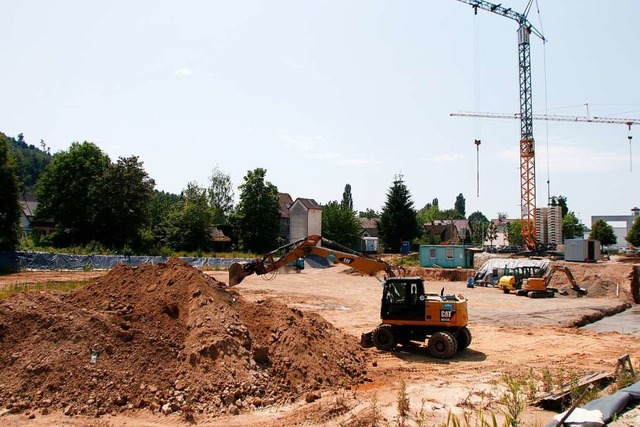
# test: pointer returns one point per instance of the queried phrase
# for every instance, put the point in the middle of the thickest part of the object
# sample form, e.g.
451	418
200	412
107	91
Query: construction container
581	250
446	256
369	245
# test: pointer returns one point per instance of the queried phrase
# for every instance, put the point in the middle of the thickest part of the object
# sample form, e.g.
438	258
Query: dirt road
511	335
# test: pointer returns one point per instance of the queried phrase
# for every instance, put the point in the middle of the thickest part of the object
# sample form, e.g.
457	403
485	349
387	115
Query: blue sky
325	93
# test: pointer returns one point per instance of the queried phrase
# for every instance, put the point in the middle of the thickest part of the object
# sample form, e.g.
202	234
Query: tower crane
527	143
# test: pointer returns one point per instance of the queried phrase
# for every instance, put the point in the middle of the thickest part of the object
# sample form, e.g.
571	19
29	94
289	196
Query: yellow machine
515	277
538	287
507	283
408	313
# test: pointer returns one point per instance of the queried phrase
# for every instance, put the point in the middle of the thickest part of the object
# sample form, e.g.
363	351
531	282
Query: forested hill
30	160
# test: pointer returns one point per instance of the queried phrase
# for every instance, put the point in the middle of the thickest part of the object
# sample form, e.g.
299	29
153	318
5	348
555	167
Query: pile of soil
167	338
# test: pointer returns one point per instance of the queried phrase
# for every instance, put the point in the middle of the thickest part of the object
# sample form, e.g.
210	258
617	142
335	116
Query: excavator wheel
443	345
383	338
464	338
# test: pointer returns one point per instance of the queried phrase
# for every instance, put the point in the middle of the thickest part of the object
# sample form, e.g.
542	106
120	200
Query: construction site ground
343	385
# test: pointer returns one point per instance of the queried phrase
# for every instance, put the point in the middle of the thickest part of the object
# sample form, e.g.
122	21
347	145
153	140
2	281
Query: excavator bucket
237	273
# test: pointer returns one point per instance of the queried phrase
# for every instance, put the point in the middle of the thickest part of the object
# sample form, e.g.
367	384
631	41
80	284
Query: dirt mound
440	274
164	337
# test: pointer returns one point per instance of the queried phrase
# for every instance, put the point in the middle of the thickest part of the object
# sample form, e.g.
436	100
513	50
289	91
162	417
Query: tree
159	211
127	191
492	232
603	232
369	214
30	161
460	205
69	190
514	233
9	206
450	214
220	196
258	213
562	202
347	198
428	214
398	221
633	236
478	223
187	227
572	227
339	223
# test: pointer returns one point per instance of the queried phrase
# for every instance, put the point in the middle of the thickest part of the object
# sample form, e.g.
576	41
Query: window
432	253
449	253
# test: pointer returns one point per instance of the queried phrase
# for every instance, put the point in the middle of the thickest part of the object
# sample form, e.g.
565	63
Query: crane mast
527	142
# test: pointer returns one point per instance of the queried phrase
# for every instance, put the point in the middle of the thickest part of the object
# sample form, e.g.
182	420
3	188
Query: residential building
368	235
28	221
305	218
285	201
549	225
449	231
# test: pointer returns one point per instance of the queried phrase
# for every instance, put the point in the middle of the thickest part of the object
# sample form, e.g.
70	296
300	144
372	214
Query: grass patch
17	288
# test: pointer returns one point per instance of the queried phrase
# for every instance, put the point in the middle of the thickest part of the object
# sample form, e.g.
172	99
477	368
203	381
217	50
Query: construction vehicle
538	287
513	278
408	313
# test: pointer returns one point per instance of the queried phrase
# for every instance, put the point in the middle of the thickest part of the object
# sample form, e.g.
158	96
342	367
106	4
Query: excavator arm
309	245
574	285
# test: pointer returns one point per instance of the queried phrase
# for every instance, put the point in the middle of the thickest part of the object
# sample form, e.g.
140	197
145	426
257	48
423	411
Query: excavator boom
299	249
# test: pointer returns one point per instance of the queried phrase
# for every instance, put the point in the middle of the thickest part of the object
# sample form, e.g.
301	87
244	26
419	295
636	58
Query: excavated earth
167	338
173	345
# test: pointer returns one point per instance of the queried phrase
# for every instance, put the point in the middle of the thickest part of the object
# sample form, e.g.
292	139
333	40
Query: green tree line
98	202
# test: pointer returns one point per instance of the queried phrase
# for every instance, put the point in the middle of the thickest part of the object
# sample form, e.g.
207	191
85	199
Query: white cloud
442	158
572	156
184	72
296	65
318	149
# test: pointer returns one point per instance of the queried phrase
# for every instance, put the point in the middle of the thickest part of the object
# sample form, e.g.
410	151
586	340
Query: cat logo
447	314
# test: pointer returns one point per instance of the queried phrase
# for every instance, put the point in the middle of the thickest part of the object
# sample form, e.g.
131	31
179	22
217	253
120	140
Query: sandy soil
511	335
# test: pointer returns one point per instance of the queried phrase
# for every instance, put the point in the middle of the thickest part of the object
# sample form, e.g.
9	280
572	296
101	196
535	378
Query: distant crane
527	143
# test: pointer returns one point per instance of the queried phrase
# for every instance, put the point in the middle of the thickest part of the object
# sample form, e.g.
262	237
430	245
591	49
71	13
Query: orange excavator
538	287
408	313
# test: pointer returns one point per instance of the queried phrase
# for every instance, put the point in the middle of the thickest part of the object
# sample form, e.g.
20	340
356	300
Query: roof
370	225
308	203
285	201
28	203
497	221
458	223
